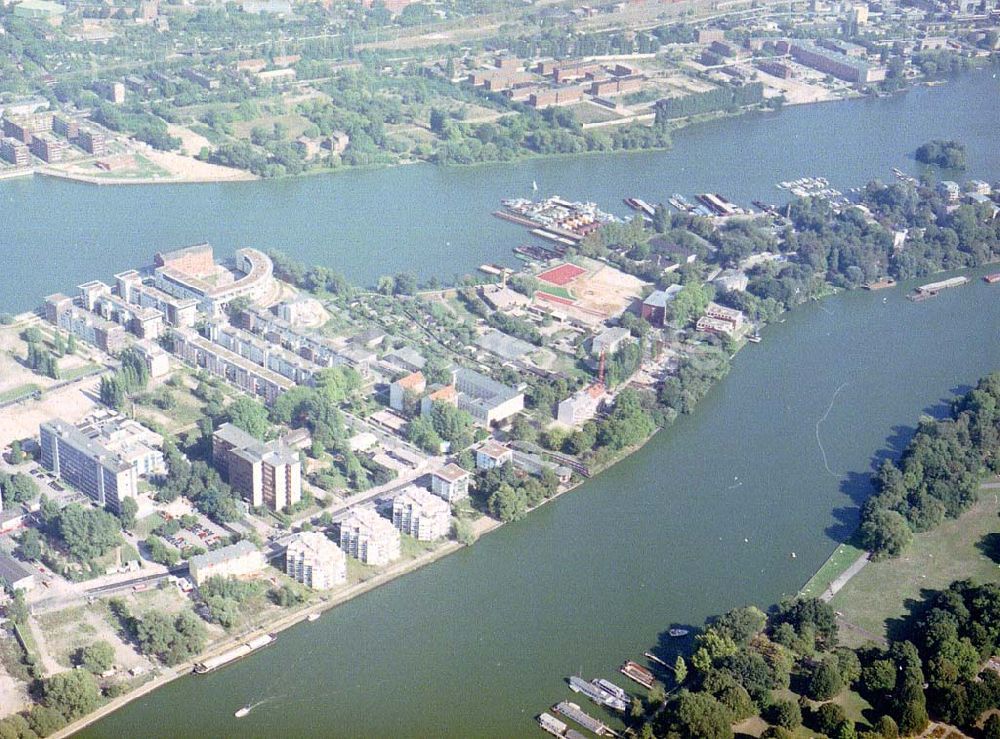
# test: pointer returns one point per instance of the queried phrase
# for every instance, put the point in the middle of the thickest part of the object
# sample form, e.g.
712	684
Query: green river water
705	517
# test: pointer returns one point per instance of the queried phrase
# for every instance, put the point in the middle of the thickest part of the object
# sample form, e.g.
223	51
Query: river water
704	518
436	221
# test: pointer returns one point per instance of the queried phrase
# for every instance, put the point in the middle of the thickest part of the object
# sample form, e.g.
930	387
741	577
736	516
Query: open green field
955	550
559	292
843	557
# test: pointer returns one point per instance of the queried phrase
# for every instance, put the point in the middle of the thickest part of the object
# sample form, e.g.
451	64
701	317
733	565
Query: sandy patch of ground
191	142
66	631
797	92
71	403
13	694
186	169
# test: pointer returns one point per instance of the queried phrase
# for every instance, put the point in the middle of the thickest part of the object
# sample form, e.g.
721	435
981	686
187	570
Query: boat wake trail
819	442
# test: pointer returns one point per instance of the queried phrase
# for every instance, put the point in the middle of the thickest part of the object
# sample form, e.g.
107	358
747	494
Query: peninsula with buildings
207	450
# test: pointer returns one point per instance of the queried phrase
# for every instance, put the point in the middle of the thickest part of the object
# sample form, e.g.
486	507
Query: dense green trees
96	657
723	98
131	377
171	639
249	415
225	597
18	488
73	694
938	474
85	533
945	154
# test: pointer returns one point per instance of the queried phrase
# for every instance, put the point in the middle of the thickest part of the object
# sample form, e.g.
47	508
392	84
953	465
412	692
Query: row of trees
710	101
938	474
130	378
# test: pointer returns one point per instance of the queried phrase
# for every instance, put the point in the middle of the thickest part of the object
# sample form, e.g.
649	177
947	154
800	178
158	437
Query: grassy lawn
559	292
77	372
412	548
843	557
952	551
21	391
589	113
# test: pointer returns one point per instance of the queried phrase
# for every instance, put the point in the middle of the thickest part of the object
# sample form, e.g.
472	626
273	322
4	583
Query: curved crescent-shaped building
191	272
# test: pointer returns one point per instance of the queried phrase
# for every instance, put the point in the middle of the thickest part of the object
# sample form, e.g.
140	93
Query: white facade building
421	514
315	561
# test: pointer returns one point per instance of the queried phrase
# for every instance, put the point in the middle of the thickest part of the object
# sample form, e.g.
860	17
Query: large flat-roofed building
839	65
265	473
485	399
86	464
368	537
315	561
65	126
15	574
616	86
421	514
236	560
451	483
721	320
133	443
60	310
243	374
184	273
156	357
146	323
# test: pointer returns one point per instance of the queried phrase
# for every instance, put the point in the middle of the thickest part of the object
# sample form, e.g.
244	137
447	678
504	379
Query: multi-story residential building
14	151
251	378
87	465
156	357
315	561
451	483
493	454
65	126
368	537
236	560
184	273
181	312
413	383
25	127
485	399
260	352
93	142
721	320
107	336
48	148
265	473
421	514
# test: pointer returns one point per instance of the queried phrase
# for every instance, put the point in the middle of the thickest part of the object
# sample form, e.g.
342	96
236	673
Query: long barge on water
597	694
992	279
931	289
232	655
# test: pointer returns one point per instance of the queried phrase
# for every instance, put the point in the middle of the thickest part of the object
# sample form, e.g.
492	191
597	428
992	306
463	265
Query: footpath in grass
843	557
958	549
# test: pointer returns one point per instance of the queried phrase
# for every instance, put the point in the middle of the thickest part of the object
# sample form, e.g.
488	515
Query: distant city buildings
264	473
236	560
315	561
421	514
368	537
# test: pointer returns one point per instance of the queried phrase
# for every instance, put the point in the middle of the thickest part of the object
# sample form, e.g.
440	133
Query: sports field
562	274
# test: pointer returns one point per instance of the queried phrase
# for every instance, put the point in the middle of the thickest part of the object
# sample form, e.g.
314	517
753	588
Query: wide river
704	518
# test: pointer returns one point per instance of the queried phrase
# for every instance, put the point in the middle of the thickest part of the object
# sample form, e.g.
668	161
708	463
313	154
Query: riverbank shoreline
481	527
